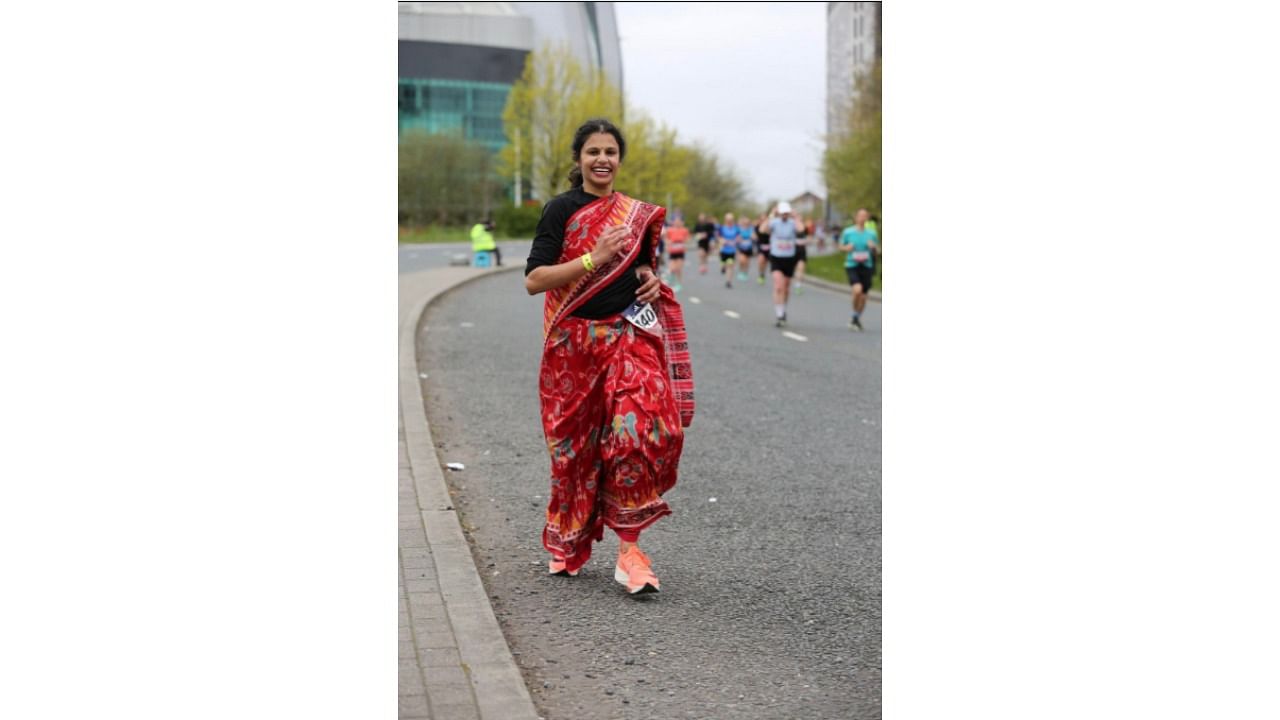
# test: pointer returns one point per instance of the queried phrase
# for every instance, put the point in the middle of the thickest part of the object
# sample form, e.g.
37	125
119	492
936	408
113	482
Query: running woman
860	242
727	234
705	232
746	247
615	385
783	231
677	236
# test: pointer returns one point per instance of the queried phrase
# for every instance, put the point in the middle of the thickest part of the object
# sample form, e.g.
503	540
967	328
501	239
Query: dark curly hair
586	130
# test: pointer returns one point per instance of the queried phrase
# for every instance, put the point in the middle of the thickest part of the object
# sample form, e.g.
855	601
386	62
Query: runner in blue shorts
727	235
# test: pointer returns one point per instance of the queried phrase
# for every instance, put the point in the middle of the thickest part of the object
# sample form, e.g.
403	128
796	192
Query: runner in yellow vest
482	240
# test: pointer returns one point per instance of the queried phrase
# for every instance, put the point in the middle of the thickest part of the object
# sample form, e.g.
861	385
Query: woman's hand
610	244
650	285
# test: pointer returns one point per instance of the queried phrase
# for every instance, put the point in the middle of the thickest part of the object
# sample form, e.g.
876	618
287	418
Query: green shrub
517	222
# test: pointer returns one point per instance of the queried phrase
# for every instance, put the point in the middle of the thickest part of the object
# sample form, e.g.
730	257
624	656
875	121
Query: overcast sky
749	79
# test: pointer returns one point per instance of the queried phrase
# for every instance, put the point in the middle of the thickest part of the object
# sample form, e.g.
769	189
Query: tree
657	164
445	180
712	187
553	96
851	164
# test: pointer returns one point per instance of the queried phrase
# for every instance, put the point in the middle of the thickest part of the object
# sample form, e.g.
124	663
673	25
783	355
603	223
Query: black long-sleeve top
548	243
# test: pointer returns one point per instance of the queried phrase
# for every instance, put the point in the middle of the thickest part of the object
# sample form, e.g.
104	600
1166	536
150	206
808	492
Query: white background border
198	288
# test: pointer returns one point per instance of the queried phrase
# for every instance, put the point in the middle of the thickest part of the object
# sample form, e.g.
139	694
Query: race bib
861	256
643	316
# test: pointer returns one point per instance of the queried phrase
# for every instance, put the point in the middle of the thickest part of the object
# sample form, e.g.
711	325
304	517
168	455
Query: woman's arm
547	277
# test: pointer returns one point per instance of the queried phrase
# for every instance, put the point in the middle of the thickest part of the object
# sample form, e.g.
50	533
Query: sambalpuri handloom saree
615	398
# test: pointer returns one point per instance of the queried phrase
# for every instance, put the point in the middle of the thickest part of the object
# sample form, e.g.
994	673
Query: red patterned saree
615	398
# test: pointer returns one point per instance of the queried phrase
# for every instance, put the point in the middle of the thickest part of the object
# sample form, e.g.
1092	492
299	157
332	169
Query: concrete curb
484	656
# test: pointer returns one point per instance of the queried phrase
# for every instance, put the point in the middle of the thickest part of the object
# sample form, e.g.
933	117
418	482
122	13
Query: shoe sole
563	572
624	579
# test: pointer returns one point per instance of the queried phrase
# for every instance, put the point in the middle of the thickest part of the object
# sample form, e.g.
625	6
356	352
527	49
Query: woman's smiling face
599	161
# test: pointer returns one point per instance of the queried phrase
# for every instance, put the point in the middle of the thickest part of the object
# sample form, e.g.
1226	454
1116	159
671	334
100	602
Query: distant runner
762	242
860	242
782	258
705	232
728	237
804	230
746	247
677	236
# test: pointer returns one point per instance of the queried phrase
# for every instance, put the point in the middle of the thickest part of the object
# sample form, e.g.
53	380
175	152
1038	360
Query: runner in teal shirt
860	242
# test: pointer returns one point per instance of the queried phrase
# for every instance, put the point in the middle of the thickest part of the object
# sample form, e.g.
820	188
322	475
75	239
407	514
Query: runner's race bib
643	316
861	256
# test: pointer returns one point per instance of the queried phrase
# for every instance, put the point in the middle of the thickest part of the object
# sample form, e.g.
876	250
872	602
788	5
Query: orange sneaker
558	567
634	570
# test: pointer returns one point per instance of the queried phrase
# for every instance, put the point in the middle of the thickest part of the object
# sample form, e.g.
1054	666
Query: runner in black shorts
786	266
782	257
862	244
704	231
762	242
802	254
860	275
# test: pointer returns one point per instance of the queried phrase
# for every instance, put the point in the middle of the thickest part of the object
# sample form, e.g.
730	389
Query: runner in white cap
782	228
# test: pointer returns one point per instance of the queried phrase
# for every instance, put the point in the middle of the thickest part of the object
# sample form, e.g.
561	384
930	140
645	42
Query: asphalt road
422	256
770	606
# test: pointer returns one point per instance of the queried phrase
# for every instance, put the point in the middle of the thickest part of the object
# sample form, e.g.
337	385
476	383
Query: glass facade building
459	60
471	108
457	63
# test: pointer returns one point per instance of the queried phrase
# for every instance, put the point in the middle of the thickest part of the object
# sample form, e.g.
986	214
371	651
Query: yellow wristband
586	262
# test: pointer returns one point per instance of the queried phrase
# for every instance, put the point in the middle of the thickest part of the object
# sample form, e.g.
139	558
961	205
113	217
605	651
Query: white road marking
695	301
793	336
466	324
732	314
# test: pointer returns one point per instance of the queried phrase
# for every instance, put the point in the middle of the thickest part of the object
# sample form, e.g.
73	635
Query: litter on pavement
456	466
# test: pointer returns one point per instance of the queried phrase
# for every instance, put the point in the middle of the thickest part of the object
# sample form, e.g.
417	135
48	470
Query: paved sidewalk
454	661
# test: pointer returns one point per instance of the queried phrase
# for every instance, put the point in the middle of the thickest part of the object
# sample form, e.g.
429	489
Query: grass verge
831	267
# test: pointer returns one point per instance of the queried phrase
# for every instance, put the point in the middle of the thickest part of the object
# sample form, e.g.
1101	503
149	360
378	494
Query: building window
445	99
408	98
488	102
